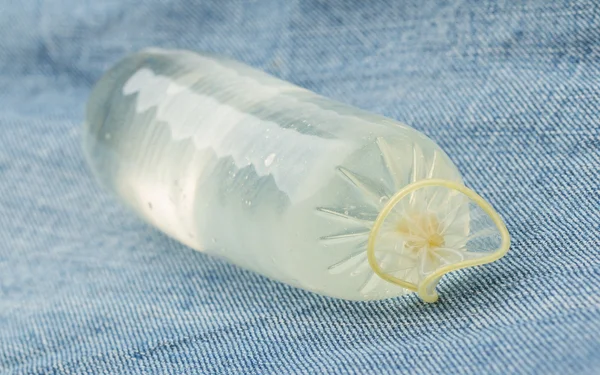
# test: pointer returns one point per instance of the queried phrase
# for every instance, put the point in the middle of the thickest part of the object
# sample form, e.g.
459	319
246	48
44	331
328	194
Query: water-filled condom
279	180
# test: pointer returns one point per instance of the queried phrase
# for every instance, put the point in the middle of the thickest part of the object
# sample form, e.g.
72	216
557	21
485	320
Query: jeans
510	90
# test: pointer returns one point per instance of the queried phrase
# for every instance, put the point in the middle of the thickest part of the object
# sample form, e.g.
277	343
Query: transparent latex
279	180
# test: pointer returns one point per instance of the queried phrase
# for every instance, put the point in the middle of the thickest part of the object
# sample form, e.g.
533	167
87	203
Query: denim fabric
510	89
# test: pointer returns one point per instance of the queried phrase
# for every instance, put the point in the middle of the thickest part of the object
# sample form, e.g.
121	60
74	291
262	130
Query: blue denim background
510	89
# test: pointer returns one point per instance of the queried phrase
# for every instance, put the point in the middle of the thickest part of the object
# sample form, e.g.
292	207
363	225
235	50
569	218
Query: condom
279	180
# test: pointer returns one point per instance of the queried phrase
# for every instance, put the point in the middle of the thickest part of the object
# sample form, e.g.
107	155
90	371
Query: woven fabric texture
509	89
